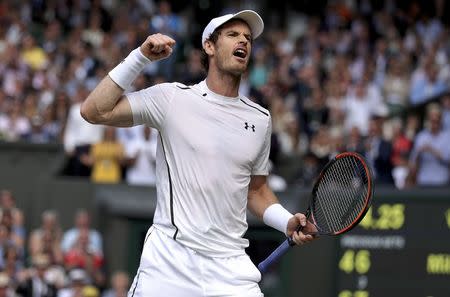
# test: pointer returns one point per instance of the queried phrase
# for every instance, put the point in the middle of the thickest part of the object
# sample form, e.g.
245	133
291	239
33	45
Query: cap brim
252	19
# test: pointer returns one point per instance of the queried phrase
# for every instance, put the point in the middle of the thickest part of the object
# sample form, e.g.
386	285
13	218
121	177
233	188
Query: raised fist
157	46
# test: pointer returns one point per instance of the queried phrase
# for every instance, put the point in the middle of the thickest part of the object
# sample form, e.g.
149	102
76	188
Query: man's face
231	52
435	121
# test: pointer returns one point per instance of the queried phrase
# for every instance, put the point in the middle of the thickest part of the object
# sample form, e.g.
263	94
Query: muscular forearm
100	103
263	203
259	199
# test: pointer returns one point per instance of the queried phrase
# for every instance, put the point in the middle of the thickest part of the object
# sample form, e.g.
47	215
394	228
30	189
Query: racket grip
274	256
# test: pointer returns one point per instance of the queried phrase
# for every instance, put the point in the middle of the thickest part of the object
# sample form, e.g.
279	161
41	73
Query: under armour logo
248	126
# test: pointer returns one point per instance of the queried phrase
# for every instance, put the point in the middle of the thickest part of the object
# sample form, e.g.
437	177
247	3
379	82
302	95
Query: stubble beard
229	67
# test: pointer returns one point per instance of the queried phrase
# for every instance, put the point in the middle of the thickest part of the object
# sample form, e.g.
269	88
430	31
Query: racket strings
351	206
329	201
340	195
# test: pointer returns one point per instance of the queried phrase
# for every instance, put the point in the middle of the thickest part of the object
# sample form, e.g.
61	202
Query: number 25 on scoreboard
384	217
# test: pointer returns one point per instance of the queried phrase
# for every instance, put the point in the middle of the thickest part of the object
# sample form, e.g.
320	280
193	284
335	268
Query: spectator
16	233
259	72
79	135
33	55
90	291
141	155
5	242
401	147
120	282
94	33
7	201
46	240
80	255
106	158
33	282
430	156
13	261
355	142
6	289
167	23
307	174
428	86
379	151
396	84
445	102
359	108
78	279
193	71
316	113
14	125
321	146
82	222
293	141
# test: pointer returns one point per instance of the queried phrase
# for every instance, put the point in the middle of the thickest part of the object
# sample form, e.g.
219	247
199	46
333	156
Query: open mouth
240	53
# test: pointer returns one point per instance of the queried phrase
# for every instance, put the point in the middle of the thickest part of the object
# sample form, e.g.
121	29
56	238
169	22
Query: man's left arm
263	203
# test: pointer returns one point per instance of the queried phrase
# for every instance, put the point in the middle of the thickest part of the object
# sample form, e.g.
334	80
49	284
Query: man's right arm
106	104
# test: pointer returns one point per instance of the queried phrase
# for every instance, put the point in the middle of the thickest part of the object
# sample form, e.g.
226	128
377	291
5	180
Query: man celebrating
212	163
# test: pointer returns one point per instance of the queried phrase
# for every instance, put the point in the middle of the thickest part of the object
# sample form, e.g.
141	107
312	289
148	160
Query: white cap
253	19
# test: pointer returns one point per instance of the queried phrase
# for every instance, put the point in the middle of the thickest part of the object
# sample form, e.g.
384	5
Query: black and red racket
340	199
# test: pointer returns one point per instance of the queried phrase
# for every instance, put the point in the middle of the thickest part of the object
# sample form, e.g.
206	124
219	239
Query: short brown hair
212	38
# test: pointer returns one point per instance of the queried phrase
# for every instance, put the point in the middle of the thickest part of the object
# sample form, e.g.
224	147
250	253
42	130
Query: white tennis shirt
209	147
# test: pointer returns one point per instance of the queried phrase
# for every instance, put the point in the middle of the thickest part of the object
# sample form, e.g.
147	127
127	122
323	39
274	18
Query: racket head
341	195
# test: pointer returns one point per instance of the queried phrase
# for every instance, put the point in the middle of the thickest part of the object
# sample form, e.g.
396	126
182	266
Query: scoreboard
401	248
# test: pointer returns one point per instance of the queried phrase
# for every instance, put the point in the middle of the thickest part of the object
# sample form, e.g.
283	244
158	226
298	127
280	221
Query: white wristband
127	71
277	216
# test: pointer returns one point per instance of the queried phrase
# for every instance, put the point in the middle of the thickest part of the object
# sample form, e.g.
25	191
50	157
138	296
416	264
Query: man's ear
209	48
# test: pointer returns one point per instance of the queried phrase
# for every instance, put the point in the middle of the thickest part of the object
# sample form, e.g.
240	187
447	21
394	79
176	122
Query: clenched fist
157	46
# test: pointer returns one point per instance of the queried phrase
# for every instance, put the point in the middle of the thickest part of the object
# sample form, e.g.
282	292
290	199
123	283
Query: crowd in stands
366	76
51	262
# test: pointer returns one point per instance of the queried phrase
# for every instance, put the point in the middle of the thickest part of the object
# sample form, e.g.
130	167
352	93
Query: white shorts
169	269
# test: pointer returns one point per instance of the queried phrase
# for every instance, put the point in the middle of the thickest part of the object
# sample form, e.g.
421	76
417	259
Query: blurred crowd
354	75
50	262
365	76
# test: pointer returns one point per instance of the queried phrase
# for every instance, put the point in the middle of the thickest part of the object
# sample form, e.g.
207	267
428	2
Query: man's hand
307	233
157	47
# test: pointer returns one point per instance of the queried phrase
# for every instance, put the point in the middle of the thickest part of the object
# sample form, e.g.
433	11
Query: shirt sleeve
150	106
261	164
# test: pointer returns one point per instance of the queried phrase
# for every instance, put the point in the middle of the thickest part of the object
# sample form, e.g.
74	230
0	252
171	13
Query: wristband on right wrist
276	216
128	70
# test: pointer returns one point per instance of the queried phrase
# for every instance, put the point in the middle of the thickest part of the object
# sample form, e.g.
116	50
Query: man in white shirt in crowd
141	153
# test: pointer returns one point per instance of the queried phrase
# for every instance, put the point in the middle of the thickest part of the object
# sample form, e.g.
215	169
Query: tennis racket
340	199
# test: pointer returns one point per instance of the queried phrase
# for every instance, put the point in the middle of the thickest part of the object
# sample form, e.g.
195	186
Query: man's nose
243	40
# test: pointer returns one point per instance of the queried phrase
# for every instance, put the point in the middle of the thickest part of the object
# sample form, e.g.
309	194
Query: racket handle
275	255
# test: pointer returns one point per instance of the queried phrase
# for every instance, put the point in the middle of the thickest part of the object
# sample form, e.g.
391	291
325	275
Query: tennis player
212	163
